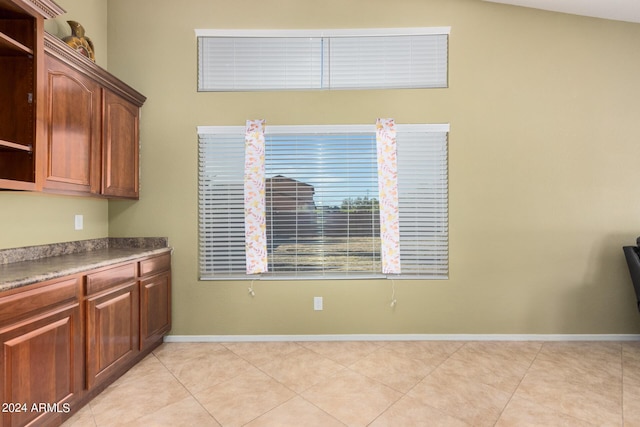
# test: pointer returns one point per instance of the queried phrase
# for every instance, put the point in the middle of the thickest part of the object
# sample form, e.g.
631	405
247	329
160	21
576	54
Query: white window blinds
244	60
388	62
423	188
221	203
259	63
322	208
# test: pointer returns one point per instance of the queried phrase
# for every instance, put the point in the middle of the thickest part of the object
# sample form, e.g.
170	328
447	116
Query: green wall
543	110
543	166
28	219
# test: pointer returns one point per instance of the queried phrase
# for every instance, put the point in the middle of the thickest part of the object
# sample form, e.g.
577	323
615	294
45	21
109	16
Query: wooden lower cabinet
112	332
155	309
155	299
65	340
41	358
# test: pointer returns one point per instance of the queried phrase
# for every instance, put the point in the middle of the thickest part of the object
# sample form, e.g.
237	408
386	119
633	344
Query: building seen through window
304	236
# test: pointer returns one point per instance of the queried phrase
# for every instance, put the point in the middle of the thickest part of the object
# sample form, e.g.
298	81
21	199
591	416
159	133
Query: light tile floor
408	383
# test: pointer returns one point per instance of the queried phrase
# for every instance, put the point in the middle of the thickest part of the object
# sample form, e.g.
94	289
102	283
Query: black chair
633	261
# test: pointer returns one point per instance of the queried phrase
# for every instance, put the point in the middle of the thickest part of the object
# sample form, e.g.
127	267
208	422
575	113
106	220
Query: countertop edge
55	274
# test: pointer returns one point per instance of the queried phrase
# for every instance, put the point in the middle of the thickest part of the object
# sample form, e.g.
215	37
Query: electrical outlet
317	303
79	222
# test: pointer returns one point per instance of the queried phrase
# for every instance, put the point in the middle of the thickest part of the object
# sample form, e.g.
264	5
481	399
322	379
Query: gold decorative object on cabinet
79	42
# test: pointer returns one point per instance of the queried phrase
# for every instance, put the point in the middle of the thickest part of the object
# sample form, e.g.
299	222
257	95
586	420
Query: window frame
323	81
240	130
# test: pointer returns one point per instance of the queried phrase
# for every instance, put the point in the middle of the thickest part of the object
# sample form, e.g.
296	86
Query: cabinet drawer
155	265
24	304
102	280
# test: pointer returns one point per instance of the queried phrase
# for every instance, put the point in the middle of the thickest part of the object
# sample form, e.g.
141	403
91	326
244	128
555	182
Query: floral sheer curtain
388	193
254	198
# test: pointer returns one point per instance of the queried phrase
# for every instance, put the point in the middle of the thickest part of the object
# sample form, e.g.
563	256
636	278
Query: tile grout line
345	367
185	388
296	393
348	367
93	418
554	409
405	394
515	390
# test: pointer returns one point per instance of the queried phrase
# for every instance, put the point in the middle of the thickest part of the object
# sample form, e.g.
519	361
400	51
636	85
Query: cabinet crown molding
46	8
57	48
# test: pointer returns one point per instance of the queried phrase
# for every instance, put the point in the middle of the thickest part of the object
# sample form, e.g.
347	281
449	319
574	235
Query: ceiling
619	10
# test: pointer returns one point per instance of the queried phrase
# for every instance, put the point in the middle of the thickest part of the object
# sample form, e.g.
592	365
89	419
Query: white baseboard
403	337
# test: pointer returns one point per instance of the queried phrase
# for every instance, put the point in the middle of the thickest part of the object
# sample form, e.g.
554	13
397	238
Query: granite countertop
24	266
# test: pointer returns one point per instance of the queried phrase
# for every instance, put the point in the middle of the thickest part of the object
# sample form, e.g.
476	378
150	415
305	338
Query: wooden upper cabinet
66	125
21	89
92	128
120	147
72	149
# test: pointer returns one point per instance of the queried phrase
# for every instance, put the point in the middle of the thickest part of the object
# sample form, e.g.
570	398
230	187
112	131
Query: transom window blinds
322	201
259	63
245	60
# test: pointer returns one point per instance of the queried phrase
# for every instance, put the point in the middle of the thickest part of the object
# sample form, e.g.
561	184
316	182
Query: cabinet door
120	143
155	308
41	360
73	130
112	331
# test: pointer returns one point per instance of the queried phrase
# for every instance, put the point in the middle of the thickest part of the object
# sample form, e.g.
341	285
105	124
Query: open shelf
17	185
10	47
14	146
22	90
